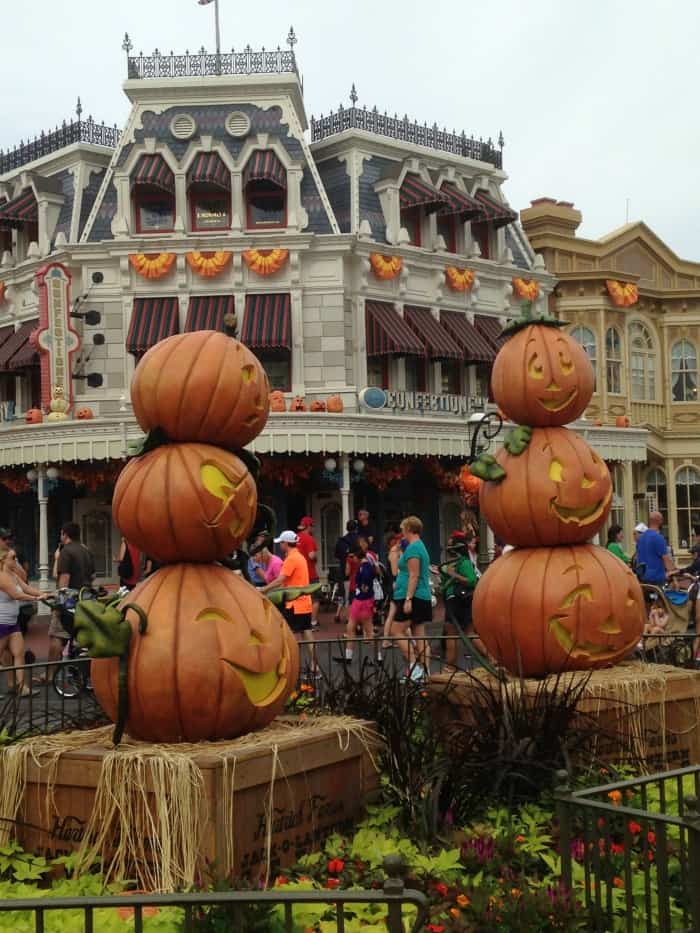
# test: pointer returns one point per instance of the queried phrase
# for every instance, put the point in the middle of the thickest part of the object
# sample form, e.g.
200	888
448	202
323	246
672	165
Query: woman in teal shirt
412	599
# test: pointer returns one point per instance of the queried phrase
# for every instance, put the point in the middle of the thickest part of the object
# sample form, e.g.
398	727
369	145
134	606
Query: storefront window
266	204
687	503
684	372
378	372
642	363
451	372
416	374
155	210
210	208
613	361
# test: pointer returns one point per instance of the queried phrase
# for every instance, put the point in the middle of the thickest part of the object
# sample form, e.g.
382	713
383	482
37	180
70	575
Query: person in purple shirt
652	553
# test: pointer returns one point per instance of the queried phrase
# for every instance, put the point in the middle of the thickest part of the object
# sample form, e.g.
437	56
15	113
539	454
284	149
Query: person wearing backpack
129	564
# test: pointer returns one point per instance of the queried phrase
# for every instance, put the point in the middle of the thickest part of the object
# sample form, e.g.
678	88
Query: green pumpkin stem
528	318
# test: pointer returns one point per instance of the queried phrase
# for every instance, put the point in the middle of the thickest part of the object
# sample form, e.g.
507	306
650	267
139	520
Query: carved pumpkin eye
556	471
216	482
567	366
586	483
535	368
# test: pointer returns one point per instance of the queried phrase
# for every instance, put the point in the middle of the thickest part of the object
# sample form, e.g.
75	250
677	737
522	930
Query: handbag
462	592
377	590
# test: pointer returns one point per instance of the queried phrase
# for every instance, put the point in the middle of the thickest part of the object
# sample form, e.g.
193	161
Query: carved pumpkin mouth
581	516
553	405
216	482
588	649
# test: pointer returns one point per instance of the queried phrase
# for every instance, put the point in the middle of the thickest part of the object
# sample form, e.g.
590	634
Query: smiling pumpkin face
217	659
545	610
558	491
542	377
185	502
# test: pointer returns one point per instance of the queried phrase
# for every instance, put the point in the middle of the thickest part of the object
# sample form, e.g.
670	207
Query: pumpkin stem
155	438
143	618
527	318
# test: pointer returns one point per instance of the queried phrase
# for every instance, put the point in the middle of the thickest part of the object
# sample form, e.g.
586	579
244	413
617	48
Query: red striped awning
490	328
19	210
153	170
152	320
208	168
475	347
267	323
207	312
264	165
494	211
417	193
17	346
388	334
439	343
459	203
5	333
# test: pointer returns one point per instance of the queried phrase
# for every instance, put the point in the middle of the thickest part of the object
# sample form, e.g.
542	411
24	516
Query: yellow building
635	306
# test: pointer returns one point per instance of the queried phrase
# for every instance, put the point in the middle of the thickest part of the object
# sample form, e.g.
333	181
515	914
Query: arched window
684	372
642	363
586	337
687	503
265	185
209	193
153	192
613	361
657	495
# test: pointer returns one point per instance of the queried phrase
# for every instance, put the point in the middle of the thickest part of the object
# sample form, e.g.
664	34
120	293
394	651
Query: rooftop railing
76	131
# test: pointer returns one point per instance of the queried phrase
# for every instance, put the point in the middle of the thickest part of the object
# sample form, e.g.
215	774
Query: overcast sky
596	100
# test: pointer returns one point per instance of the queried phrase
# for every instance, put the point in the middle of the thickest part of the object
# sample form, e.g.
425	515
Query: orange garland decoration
152	266
265	261
385	267
623	296
3	289
528	289
207	264
459	280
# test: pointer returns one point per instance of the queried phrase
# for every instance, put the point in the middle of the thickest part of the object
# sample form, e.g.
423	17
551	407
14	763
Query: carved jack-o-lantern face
84	414
34	416
558	491
543	610
189	502
216	659
542	377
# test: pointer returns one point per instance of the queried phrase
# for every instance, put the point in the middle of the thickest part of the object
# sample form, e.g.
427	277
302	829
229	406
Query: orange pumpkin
558	491
277	401
34	416
298	404
542	377
334	403
471	485
544	610
84	414
185	502
317	405
622	421
216	660
202	386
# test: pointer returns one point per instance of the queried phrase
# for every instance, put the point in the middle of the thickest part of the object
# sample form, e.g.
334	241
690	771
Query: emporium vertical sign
55	338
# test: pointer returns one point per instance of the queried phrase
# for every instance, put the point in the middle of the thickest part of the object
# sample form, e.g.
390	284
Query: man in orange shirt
294	572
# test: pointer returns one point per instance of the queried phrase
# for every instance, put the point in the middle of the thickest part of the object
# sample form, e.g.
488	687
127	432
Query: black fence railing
408	131
76	131
633	849
202	63
398	909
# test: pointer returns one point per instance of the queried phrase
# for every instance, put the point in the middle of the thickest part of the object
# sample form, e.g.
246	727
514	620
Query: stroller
677	600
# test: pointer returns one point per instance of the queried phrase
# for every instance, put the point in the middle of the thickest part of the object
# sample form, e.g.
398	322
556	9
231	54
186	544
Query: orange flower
208	265
618	882
520	838
265	261
152	266
385	267
615	796
280	881
454	912
459	280
622	296
463	900
528	289
515	892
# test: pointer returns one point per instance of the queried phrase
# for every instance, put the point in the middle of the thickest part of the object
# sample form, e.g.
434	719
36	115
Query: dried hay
150	808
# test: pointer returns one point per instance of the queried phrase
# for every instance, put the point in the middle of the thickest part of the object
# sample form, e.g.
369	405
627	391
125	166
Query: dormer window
493	214
417	198
459	207
21	213
209	192
265	184
153	185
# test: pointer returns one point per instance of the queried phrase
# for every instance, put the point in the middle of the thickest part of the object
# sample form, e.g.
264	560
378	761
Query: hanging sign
55	338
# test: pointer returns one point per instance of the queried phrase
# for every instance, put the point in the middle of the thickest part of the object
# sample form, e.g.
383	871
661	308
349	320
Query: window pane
279	372
613	374
156	215
211	213
376	370
450	370
265	205
612	343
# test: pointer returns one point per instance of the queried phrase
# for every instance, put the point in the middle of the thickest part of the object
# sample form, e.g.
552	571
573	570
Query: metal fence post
691	818
395	868
562	791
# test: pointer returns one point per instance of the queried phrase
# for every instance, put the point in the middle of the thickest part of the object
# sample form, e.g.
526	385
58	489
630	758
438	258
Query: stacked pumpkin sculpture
194	652
555	603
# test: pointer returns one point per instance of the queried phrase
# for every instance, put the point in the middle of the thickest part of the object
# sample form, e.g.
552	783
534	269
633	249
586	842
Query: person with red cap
307	546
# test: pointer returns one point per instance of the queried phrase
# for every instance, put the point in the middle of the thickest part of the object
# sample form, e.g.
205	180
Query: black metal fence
76	131
202	63
398	909
633	849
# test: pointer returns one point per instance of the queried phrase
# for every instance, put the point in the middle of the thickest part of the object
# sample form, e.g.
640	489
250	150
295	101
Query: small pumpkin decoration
216	659
577	608
317	405
622	421
541	376
34	416
202	386
555	490
334	403
277	401
385	267
297	404
84	414
152	266
185	502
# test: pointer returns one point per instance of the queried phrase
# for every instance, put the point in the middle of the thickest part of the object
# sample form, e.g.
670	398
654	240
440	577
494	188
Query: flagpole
218	29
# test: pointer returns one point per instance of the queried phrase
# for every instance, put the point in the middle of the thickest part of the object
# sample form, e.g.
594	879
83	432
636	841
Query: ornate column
672	530
345	505
43	497
628	504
